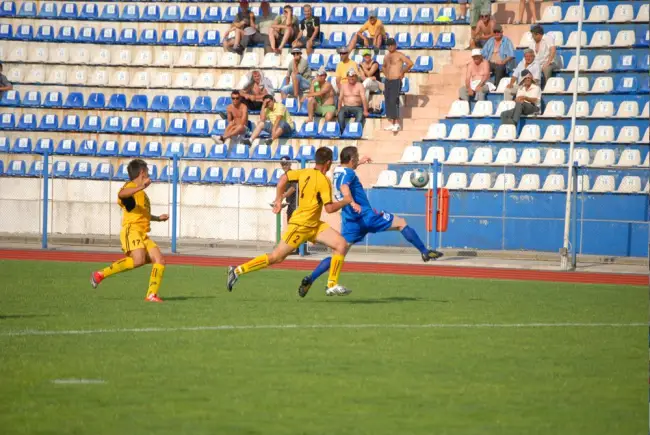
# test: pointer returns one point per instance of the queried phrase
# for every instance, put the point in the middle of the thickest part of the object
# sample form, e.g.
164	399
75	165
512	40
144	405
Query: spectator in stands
274	120
527	102
369	69
344	65
261	25
500	52
352	100
237	113
463	10
235	34
298	79
528	63
5	85
476	78
309	35
256	88
396	65
321	98
284	30
289	195
376	33
522	6
545	51
483	31
480	8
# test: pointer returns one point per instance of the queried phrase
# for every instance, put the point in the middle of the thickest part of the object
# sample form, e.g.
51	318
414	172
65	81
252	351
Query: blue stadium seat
49	123
211	38
625	62
336	40
190	37
230	13
4	145
135	125
61	169
219	127
27	121
213	174
359	15
139	103
122	173
48	10
191	174
339	15
181	104
222	104
117	102
446	41
202	104
283	150
103	171
110	148
92	124
66	34
332	62
169	37
192	14
130	149
22	145
275	177
152	149
403	15
113	124
35	169
160	103
354	130
44	144
239	152
196	150
627	85
32	99
235	176
110	12
330	130
644	88
108	35
70	123
53	100
321	13
66	147
130	13
165	174
383	13
261	152
172	13
292	105
308	129
423	64
87	147
128	36
449	12
74	100
175	149
89	11
27	10
149	37
96	100
82	170
199	127
151	13
218	152
315	61
642	38
157	126
45	33
644	63
16	168
10	99
335	151
153	172
424	16
403	40
87	35
24	32
406	85
69	11
212	14
177	127
258	176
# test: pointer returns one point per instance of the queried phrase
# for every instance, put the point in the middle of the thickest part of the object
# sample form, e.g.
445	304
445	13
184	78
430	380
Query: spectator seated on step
500	53
477	75
529	63
376	33
298	79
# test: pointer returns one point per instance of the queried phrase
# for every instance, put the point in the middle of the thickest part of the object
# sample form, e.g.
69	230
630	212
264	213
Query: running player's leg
136	255
157	273
411	236
339	246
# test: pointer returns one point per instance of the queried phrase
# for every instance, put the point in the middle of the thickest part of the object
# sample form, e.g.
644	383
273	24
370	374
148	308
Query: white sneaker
396	127
217	139
337	290
389	128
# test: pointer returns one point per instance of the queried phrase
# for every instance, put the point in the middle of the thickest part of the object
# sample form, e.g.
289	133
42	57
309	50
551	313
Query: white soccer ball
419	178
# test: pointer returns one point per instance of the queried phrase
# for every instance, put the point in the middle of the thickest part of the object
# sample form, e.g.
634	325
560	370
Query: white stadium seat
78	77
583	65
526	39
456	181
36	74
530	156
558	37
183	80
480	181
482	156
573	14
59	55
436	131
506	133
143	57
140	79
18	53
554	85
581	156
411	154
229	60
405	181
16	73
458	155
581	108
482	132
553	183
643	16
603	85
503	106
121	56
503	85
506	156
250	60
603	109
628	134
204	81
604	157
598	14
483	109
624	38
646	137
271	60
530	133
100	56
581	134
602	62
58	76
601	39
582	84
554	157
459	132
504	182
529	182
435	153
161	80
603	184
630	184
629	158
458	108
208	58
645	113
554	133
79	55
164	57
243	81
386	178
552	14
554	109
622	14
186	58
226	81
572	40
120	79
628	109
98	78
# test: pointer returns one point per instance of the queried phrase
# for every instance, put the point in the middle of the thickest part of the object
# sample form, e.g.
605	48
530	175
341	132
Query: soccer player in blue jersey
358	218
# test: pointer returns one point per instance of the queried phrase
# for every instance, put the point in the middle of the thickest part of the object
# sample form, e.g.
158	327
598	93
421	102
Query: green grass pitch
381	379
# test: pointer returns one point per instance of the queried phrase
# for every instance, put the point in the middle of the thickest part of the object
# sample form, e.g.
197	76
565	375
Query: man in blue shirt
359	218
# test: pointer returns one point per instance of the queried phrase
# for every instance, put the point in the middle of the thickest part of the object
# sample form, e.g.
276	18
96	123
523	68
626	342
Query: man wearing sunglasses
483	31
237	113
298	79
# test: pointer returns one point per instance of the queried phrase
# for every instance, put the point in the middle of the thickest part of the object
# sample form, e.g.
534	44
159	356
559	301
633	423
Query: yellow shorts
132	238
296	235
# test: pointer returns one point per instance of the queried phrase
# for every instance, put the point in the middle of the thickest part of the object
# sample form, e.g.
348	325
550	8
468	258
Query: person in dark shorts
309	35
396	65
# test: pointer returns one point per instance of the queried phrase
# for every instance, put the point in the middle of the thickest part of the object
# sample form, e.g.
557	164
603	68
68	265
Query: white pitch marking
78	381
34	332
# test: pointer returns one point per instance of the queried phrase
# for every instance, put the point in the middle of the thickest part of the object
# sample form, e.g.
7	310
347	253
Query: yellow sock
256	263
335	270
119	266
157	272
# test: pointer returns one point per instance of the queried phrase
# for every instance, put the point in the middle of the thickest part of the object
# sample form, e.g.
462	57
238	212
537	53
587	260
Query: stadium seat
482	132
424	40
602	62
160	103
16	168
66	34
213	174
31	99
503	182
581	108
554	109
553	183
43	145
506	156
529	182
603	85
192	14
353	130
330	130
283	150
148	37
135	125
181	104
110	12
627	85
199	127
554	133
92	124
459	132
308	129
627	134
582	134
424	15
603	109
601	39
582	85
581	157
109	148
87	147
35	169
107	35
480	181
27	122
643	65
190	37
459	108
603	134
70	123
338	15
552	14
423	64
622	14
598	14
219	127
629	158
604	158
624	38
411	154
130	13
625	63
436	131
130	149
150	13
169	37
403	40
117	102
458	155
630	184
191	174
27	10
235	176
554	85
434	153
359	15
48	10
156	126
482	156
456	181
261	152
211	39
482	109
642	38
82	170
103	171
603	184
258	176
403	15
530	156
22	145
61	169
506	133
239	152
113	124
306	152
49	123
446	13
196	151
642	15
275	177
335	40
175	149
87	35
11	99
218	152
152	150
572	40
554	157
530	133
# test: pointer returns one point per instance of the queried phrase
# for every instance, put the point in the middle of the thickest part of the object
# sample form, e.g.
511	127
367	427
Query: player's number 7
302	191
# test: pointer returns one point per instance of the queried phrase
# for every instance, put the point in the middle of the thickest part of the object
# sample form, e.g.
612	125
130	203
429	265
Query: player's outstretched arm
333	207
279	192
130	191
161	218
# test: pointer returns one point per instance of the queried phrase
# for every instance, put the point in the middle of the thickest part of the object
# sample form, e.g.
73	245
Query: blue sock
322	267
409	234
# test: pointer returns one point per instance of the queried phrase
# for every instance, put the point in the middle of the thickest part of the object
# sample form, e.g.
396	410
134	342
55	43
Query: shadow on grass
185	298
390	300
21	316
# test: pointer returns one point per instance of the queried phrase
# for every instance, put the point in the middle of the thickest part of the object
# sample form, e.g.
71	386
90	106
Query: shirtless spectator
476	76
321	98
235	34
309	35
343	67
370	74
352	100
376	33
284	30
253	93
484	30
396	65
237	119
5	85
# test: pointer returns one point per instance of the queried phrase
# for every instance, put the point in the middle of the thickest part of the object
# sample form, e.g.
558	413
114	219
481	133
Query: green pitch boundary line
397	269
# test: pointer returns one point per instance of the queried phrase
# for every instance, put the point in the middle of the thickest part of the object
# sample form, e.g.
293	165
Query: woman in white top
527	102
545	51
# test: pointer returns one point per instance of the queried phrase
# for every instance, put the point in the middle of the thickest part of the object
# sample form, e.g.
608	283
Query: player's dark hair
135	167
267	97
348	153
323	155
288	7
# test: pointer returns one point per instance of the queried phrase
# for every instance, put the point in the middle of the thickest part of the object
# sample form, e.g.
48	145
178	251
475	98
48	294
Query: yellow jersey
314	191
137	209
342	69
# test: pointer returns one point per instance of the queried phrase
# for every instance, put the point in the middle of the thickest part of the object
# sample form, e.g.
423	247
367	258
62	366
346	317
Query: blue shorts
353	231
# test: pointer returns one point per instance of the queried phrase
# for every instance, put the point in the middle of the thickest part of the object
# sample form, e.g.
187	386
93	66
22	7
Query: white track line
332	326
78	381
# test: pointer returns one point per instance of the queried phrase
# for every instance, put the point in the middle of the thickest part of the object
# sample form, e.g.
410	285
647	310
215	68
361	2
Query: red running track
399	269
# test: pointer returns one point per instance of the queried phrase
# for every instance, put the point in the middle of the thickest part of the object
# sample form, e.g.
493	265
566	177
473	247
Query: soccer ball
419	178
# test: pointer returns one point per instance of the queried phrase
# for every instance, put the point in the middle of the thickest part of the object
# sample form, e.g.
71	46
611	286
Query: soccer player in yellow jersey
314	194
136	244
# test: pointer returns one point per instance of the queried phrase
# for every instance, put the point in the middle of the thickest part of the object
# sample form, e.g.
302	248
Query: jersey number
295	239
302	190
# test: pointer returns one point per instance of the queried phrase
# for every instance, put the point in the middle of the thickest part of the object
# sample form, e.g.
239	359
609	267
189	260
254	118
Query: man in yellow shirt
136	244
274	120
314	194
342	68
376	33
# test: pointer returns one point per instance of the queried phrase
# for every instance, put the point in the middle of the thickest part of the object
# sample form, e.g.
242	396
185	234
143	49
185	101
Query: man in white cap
476	76
298	75
527	102
352	100
321	98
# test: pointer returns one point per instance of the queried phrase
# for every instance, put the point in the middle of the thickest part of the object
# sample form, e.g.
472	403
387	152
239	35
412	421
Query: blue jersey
343	175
